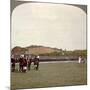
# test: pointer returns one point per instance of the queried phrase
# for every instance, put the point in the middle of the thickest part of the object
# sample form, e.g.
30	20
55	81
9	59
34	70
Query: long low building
52	58
58	58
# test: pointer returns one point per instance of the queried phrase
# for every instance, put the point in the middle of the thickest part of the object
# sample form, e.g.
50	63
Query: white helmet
22	56
38	57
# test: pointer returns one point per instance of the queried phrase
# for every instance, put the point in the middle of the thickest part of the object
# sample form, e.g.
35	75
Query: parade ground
50	75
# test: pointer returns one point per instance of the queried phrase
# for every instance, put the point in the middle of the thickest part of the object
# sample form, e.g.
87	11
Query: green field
51	75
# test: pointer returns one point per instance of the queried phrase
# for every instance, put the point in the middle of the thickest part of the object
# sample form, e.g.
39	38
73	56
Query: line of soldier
25	63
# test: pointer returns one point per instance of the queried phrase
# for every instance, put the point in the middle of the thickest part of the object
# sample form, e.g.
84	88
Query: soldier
36	62
24	65
21	63
12	64
29	63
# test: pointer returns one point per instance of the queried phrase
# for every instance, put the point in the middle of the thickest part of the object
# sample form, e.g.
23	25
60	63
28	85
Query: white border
5	45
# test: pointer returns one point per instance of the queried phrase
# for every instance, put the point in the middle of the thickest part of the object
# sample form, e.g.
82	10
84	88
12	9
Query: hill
33	49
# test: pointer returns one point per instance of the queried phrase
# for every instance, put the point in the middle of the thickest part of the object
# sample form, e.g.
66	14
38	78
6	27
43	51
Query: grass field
51	75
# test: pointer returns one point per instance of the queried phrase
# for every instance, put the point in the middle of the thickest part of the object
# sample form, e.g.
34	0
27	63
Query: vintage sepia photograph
48	44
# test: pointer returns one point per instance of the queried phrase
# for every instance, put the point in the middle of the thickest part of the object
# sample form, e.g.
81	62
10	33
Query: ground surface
51	75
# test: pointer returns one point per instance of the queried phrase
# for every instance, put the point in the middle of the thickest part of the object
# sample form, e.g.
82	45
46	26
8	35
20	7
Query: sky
52	25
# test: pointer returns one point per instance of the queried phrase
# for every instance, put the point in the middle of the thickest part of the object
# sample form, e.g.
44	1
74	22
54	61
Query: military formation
24	63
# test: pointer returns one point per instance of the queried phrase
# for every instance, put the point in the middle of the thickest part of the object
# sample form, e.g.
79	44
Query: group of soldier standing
24	63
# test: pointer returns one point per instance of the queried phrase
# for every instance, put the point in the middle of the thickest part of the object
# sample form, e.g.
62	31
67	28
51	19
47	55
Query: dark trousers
13	67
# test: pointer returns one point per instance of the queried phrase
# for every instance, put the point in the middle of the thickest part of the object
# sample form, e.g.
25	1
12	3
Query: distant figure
13	64
79	59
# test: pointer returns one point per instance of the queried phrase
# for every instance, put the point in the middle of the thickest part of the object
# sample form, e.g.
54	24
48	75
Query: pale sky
53	25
